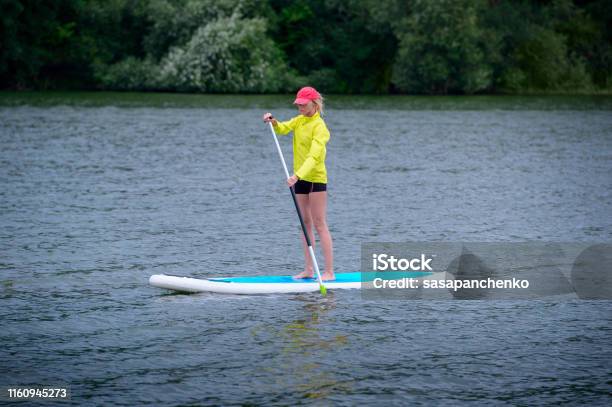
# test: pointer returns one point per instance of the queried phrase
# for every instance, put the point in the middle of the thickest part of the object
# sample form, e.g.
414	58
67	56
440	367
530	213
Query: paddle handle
280	154
297	207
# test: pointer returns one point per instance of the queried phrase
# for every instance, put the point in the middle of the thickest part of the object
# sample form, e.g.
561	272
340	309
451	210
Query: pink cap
305	95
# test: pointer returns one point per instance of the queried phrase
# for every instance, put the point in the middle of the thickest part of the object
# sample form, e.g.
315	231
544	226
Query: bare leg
304	204
318	211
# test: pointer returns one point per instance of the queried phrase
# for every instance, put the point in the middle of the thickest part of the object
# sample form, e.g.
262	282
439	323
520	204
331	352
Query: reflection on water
305	347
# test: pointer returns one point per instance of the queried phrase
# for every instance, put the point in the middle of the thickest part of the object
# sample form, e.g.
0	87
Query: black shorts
306	187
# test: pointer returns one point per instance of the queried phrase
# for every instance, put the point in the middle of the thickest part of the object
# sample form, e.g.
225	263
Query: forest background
276	46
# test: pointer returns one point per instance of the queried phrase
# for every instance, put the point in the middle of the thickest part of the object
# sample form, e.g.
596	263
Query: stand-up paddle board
271	284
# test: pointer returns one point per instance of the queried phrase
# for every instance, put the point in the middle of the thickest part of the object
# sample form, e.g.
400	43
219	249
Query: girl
310	135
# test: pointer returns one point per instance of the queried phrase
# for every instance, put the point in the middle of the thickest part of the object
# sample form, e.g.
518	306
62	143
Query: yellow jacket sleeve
316	154
282	128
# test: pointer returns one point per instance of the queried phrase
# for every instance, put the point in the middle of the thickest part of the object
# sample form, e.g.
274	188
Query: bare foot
304	274
327	276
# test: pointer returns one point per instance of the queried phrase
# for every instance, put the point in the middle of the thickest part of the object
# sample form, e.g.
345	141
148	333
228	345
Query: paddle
297	208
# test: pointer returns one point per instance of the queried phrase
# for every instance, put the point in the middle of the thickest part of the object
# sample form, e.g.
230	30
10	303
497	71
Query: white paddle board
270	284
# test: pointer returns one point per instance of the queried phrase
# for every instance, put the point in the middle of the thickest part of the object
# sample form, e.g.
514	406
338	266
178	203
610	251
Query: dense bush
228	55
130	74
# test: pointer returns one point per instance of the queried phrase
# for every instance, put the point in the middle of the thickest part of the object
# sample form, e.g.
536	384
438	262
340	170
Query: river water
100	191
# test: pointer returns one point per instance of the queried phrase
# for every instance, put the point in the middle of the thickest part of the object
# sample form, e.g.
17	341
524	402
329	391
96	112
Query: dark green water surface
101	190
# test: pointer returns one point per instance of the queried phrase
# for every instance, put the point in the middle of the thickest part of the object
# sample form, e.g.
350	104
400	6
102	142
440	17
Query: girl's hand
267	117
292	180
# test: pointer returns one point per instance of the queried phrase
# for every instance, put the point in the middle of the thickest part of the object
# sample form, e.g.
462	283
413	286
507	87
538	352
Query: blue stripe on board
354	277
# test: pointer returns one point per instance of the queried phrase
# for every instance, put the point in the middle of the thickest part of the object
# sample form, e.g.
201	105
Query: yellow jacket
310	135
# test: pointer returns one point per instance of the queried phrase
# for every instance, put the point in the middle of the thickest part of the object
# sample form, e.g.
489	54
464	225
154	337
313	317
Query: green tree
543	63
173	22
227	55
535	51
335	44
592	38
39	42
111	31
441	49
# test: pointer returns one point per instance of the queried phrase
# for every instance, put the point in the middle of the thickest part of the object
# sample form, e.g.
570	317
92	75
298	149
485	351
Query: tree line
340	46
